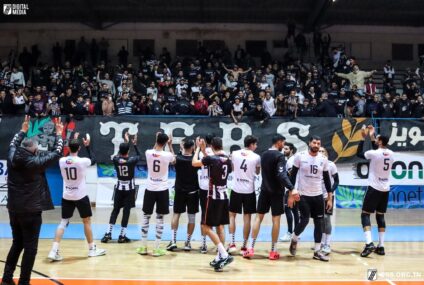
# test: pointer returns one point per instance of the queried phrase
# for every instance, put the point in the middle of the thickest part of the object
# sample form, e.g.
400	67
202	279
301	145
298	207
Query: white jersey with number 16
310	172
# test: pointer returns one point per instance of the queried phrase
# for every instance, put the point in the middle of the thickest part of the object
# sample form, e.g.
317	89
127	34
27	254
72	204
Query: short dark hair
248	140
277	137
124	148
209	138
74	145
317	138
234	148
291	147
216	143
188	143
162	139
384	140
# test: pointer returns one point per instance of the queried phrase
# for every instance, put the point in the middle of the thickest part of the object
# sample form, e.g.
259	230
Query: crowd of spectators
212	83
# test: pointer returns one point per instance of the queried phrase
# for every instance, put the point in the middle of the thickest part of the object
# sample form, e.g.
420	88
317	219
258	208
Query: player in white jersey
246	165
334	178
203	175
377	196
157	192
312	168
292	214
73	169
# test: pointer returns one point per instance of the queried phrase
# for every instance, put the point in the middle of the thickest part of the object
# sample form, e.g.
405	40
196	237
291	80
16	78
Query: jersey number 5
386	164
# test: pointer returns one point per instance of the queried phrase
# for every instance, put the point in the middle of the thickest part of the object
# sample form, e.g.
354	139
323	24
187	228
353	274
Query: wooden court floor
403	263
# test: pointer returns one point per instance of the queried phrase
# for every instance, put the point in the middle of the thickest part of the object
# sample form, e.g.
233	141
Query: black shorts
273	201
216	213
311	206
203	198
329	211
239	201
375	200
160	198
186	200
124	198
83	205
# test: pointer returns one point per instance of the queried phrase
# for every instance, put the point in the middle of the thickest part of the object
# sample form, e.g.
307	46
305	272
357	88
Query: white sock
324	238
123	231
368	238
91	246
55	246
217	257
381	238
295	238
317	246
328	239
222	251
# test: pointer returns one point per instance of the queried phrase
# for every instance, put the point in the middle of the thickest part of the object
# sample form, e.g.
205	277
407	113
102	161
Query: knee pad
365	219
63	224
381	222
191	218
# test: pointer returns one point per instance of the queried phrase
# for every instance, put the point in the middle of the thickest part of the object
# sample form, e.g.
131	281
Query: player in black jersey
274	182
186	193
217	212
125	190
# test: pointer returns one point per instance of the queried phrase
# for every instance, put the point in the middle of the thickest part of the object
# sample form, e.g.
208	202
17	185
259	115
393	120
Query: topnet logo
15	9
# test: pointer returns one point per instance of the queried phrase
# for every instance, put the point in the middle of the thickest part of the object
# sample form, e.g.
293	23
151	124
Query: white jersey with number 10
73	170
245	163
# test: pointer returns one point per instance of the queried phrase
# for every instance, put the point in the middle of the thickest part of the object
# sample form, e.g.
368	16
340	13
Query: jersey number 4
71	173
243	165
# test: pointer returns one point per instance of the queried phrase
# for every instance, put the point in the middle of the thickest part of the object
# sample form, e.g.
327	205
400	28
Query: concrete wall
370	44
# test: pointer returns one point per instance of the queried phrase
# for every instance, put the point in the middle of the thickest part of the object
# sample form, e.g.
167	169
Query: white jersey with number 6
73	170
245	163
381	161
310	172
157	169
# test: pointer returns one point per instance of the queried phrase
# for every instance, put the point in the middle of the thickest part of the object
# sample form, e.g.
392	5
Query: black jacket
274	172
28	190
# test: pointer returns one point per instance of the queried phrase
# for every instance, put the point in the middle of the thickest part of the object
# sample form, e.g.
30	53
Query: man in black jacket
28	195
274	181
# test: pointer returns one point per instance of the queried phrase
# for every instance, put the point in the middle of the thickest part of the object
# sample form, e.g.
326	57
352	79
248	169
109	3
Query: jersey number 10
71	173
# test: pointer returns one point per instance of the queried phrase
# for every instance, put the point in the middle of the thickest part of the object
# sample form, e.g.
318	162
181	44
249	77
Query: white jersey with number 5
245	163
157	169
73	170
310	172
203	172
381	161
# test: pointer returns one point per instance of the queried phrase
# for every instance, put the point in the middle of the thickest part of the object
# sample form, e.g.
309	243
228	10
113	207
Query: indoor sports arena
192	142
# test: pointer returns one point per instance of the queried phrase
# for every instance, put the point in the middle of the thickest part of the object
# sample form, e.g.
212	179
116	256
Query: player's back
125	167
73	170
158	167
245	163
381	161
185	173
269	164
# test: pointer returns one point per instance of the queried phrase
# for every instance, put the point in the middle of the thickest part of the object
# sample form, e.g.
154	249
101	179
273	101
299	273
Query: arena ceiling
100	14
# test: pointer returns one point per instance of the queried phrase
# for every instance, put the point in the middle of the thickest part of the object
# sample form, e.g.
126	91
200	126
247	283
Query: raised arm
17	139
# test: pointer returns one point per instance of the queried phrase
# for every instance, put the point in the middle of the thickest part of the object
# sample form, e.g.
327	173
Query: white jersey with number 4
157	169
245	163
203	172
310	172
73	170
381	161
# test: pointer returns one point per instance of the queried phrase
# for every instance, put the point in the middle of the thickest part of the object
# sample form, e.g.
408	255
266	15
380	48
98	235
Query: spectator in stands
37	107
403	107
374	107
359	107
387	106
268	104
370	88
356	77
19	101
326	107
389	72
259	114
53	107
237	110
418	108
107	81
124	105
17	77
306	110
215	110
201	105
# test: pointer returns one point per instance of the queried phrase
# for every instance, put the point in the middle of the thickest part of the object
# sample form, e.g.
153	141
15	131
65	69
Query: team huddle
299	184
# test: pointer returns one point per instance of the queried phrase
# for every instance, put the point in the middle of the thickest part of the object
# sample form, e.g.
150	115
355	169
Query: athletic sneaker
142	250
106	238
380	250
159	252
368	249
326	249
223	262
243	250
123	239
319	255
96	252
171	246
293	247
8	283
187	246
231	248
204	249
213	263
54	256
273	255
249	253
286	237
